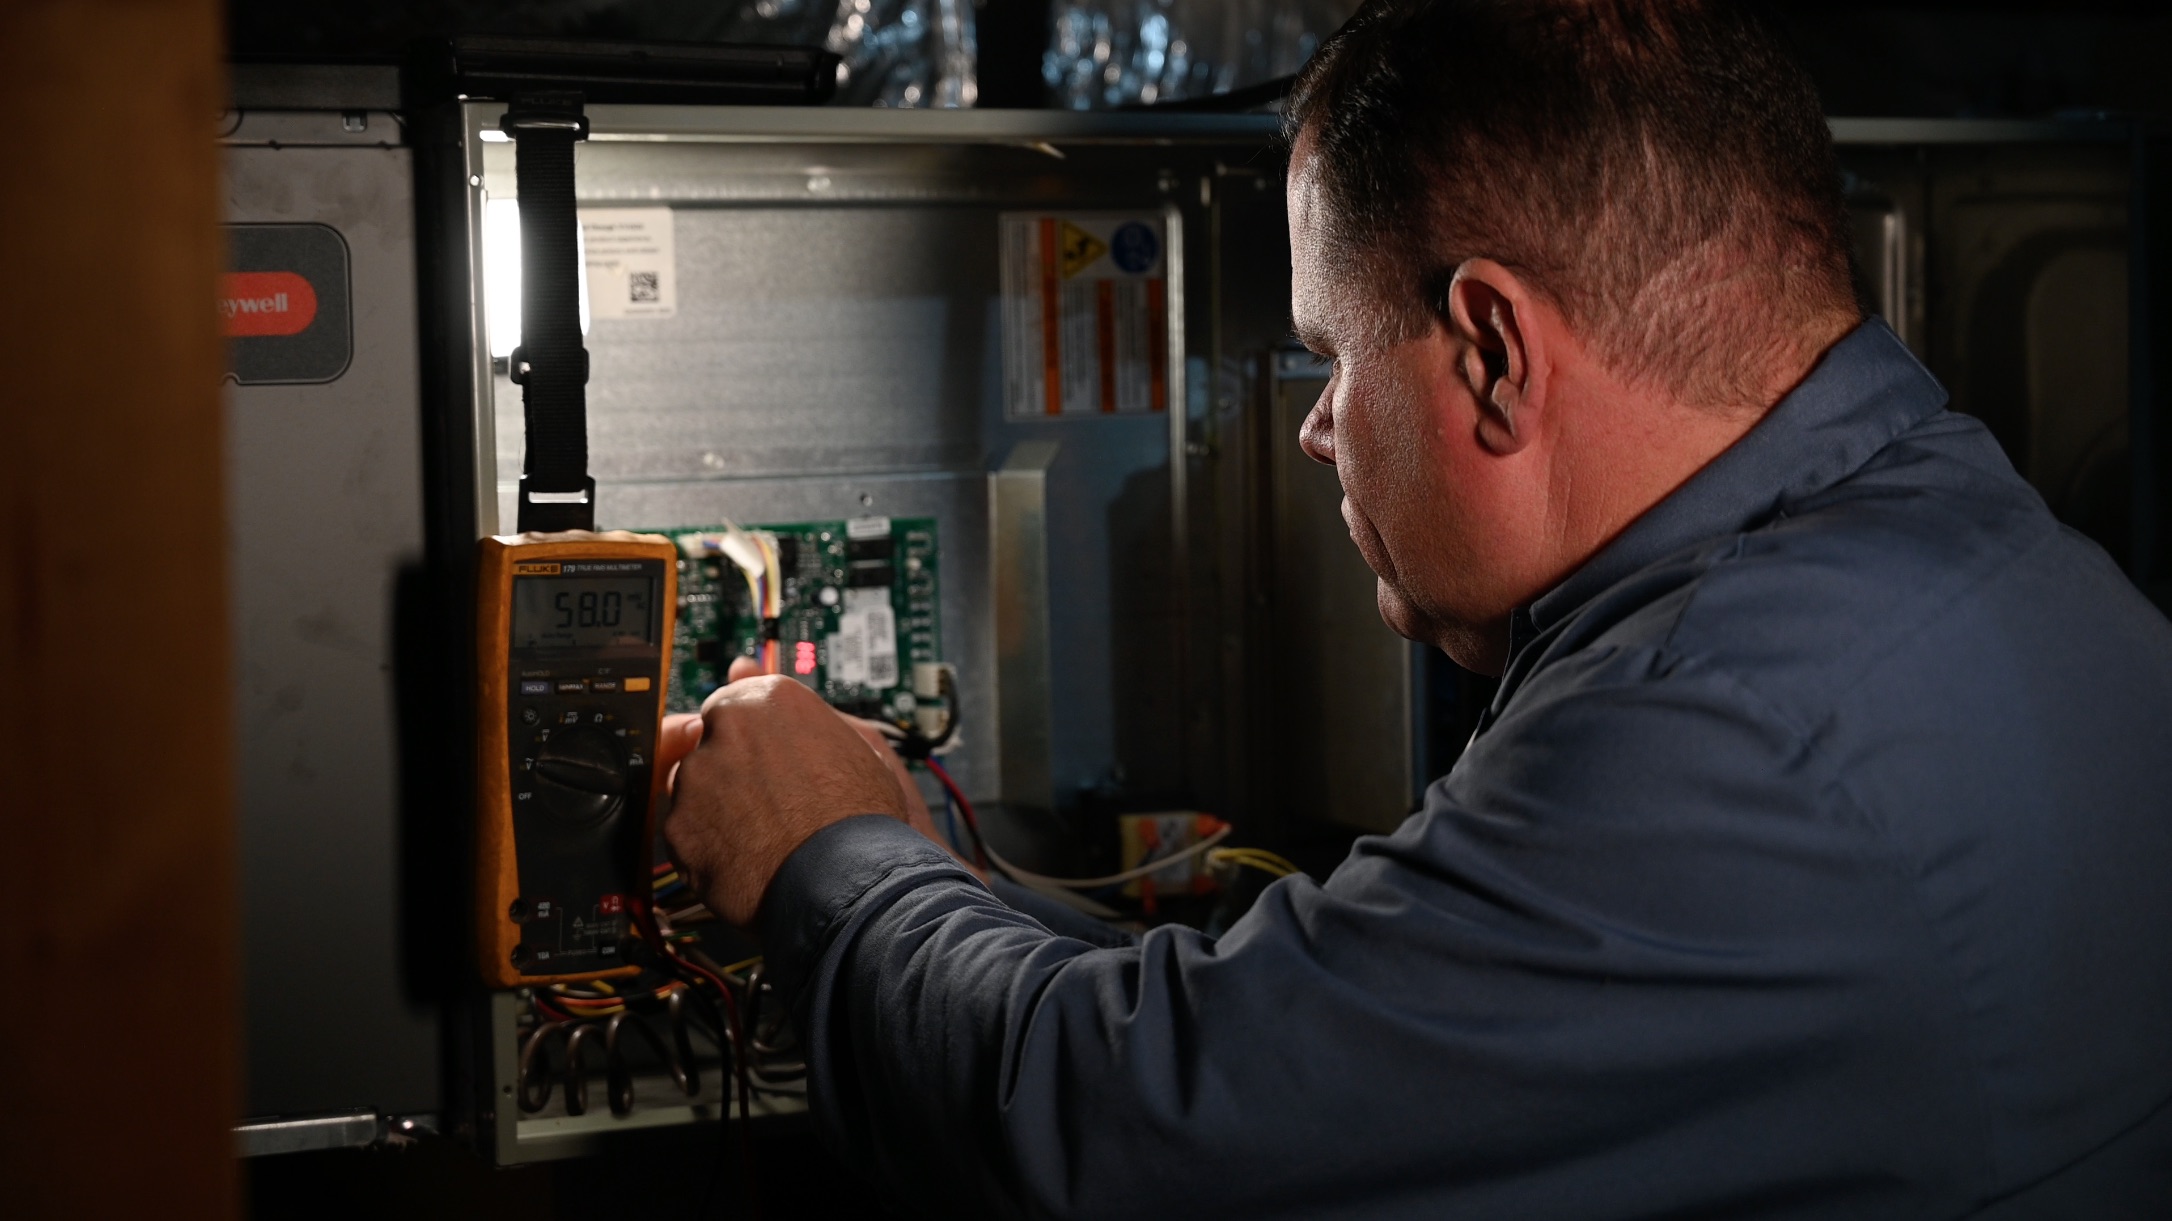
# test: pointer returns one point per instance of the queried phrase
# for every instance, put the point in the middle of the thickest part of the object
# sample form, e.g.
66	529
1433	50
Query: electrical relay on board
850	608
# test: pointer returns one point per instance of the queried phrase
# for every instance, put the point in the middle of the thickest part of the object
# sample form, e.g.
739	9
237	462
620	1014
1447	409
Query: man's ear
1489	309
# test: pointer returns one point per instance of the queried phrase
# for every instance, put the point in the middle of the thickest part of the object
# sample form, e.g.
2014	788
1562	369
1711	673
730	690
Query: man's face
1396	420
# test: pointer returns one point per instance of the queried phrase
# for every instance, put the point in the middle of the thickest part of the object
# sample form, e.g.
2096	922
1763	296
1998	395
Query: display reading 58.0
582	612
589	608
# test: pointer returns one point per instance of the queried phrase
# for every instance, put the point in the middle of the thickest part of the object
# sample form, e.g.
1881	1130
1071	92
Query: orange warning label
1086	327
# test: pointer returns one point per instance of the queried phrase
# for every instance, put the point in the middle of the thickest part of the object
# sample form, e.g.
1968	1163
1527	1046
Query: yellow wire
1257	858
774	570
1261	853
1269	861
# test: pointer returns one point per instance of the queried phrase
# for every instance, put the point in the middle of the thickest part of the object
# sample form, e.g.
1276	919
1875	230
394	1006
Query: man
1816	857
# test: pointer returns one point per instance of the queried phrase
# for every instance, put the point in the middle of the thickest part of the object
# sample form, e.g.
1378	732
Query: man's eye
1320	359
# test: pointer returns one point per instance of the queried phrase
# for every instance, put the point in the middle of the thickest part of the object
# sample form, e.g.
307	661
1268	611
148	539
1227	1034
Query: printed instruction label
1085	314
864	650
630	262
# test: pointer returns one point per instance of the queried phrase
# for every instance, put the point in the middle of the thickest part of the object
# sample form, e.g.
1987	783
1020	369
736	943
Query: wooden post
119	944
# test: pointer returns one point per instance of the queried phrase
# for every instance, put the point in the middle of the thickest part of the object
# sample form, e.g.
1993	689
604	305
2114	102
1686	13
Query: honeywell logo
257	303
274	304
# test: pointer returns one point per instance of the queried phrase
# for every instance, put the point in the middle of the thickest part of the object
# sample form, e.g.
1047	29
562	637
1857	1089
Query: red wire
957	798
645	922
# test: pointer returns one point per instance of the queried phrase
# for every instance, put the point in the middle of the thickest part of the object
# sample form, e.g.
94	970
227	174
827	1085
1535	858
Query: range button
604	685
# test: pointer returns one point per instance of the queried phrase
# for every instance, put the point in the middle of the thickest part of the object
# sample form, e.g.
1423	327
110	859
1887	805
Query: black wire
765	1073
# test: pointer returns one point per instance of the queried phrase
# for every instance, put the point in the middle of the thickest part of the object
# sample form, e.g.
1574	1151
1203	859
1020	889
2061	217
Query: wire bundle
681	982
754	554
1266	862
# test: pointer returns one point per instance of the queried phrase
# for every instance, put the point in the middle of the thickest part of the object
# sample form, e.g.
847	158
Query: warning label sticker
631	269
1085	314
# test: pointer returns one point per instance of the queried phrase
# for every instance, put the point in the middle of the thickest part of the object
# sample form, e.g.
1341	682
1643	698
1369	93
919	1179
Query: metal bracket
1018	576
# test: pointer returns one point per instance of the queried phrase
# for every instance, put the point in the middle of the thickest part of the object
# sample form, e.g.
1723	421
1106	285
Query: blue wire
950	822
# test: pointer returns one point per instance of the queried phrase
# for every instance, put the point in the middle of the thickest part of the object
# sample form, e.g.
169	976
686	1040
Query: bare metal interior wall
836	349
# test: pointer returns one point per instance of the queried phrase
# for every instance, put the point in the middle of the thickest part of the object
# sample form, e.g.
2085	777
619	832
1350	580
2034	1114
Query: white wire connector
741	549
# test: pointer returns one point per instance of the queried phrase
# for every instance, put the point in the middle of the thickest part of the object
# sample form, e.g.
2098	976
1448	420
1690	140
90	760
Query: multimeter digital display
579	612
573	674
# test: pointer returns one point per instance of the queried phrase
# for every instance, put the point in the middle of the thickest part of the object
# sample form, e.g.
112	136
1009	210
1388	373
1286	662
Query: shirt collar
1867	390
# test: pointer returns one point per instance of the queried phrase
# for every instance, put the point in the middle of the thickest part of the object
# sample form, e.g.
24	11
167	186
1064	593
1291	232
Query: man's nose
1316	436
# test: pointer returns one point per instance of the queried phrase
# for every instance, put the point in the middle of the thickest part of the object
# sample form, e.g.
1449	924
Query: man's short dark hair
1661	170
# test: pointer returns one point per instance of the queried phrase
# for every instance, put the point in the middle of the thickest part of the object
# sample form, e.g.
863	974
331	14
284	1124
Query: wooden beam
116	795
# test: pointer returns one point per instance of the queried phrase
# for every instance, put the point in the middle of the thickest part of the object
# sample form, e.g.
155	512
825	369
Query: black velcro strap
550	364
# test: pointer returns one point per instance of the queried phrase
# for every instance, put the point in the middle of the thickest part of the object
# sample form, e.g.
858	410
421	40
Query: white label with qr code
630	258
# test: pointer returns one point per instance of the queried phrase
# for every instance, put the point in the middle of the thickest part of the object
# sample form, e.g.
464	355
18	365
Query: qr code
643	286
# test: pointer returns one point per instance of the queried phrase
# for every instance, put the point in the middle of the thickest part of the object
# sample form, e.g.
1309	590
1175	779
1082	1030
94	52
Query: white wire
1030	878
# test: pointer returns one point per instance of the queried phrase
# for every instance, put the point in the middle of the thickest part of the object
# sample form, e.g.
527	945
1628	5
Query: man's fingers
742	667
681	734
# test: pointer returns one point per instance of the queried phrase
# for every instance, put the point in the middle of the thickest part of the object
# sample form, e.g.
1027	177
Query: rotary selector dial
581	777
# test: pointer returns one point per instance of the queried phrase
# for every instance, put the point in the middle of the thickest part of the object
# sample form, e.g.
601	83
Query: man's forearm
910	1082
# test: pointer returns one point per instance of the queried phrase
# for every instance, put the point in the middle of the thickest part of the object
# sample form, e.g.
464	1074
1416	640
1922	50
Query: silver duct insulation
1109	53
897	52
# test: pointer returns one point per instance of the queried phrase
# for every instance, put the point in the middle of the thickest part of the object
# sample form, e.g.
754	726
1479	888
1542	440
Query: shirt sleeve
1636	930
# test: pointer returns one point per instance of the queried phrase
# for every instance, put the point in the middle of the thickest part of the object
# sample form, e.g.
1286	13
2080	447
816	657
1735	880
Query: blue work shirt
1814	861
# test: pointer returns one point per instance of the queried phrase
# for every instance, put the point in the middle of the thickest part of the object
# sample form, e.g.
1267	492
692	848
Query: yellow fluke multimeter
573	655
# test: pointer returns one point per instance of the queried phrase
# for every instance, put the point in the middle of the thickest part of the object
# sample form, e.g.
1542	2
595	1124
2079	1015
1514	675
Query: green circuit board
859	606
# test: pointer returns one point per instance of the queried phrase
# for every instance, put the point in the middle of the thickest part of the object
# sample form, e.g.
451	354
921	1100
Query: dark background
2010	60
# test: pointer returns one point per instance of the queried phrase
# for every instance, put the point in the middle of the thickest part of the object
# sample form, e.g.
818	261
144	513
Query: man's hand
773	766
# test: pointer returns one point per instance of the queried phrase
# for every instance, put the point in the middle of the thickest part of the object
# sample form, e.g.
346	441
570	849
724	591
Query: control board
854	609
572	648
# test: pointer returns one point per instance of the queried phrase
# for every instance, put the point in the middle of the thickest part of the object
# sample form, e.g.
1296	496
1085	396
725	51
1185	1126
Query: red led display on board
803	657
